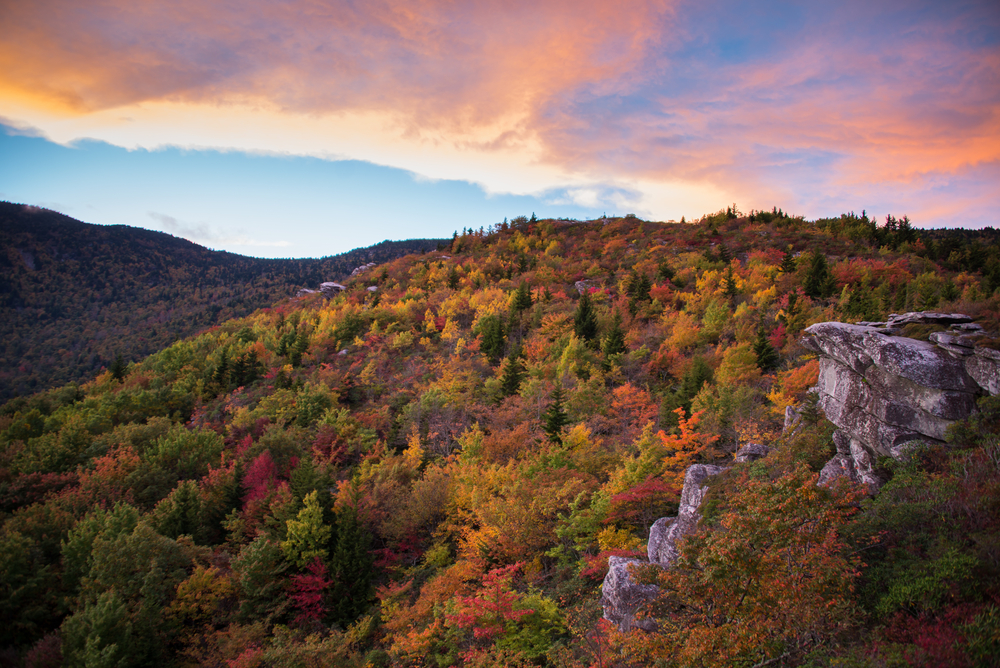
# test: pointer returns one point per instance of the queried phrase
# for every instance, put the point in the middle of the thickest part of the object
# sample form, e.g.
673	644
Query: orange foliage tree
684	448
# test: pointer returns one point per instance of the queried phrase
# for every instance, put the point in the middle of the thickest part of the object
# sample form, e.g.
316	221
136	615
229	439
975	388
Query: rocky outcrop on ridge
621	595
884	391
666	531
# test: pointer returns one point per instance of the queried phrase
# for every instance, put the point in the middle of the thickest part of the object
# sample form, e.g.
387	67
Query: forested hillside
433	468
74	296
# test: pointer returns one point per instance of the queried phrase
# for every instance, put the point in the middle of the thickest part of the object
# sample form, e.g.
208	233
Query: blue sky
252	204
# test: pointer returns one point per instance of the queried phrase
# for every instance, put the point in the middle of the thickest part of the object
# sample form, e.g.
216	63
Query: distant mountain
74	295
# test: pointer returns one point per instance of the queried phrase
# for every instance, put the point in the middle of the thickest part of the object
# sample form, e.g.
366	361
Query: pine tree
555	417
730	282
585	319
522	298
513	374
351	566
724	254
819	283
614	341
767	356
788	262
118	368
492	341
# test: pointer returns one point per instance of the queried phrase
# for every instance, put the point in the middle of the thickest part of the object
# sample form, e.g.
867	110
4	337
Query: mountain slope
73	295
437	472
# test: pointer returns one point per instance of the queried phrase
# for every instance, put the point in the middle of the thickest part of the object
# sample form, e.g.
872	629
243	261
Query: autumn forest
433	467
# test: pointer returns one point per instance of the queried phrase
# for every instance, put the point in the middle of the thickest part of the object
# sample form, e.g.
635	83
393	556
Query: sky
303	128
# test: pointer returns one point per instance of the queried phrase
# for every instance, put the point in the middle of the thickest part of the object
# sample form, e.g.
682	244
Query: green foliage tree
585	318
554	419
307	536
818	282
767	357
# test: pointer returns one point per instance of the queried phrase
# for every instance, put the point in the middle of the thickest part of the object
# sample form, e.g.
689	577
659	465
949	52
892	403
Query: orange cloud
527	96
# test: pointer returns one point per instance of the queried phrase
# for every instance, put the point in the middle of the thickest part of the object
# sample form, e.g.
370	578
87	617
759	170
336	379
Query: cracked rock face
883	391
621	596
664	534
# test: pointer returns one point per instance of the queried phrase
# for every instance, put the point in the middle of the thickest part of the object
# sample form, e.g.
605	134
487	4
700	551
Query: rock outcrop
884	391
621	595
666	531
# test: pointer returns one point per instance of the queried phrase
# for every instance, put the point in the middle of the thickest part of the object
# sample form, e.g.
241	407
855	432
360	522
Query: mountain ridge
94	292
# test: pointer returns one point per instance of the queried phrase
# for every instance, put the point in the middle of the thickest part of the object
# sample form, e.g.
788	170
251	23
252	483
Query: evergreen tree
522	298
585	319
730	282
696	376
118	368
664	272
614	341
453	278
351	566
788	262
724	254
767	356
819	282
492	342
554	417
513	374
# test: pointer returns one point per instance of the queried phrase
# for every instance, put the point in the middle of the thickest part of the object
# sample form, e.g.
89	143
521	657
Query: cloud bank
663	107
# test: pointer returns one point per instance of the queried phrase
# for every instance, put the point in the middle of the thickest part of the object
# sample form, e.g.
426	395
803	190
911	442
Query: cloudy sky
309	127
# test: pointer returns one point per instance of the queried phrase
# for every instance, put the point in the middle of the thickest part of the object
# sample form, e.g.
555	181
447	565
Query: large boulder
884	391
661	549
622	596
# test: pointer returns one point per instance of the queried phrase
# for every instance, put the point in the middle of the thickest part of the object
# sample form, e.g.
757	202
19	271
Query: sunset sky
310	127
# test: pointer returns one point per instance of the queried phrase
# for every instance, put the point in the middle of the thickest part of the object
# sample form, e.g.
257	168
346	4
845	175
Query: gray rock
751	452
885	393
984	368
792	419
622	596
661	548
331	288
927	318
583	286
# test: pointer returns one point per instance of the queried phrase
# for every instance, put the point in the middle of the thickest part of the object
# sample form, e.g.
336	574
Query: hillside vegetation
75	296
433	468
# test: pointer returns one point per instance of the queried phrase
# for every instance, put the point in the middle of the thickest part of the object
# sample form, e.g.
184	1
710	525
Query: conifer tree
351	567
555	417
819	282
788	262
767	356
513	374
614	341
491	331
585	319
730	282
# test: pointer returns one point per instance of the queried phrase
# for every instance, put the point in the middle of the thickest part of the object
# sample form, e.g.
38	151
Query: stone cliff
884	391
